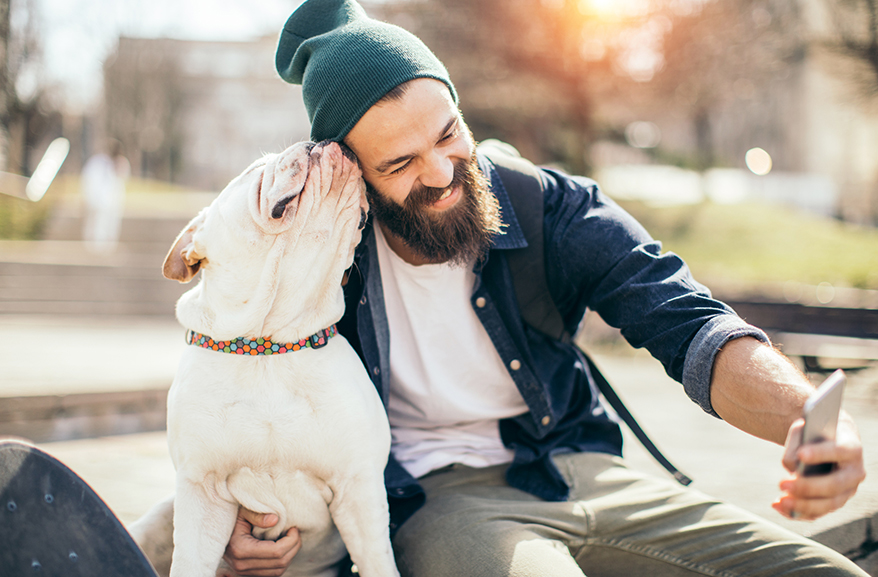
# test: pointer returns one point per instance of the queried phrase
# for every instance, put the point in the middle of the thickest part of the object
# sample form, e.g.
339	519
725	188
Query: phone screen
821	419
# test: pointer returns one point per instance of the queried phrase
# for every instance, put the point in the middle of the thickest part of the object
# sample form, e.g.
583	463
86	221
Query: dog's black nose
363	217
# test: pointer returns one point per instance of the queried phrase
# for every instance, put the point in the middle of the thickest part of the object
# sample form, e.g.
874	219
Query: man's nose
438	172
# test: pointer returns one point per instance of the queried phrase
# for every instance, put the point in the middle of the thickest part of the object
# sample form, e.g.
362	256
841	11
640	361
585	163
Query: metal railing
35	187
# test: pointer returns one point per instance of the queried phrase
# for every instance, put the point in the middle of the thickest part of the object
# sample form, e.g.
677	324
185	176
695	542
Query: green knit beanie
346	62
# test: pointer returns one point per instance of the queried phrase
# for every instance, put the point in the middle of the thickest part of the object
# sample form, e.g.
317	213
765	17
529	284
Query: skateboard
52	523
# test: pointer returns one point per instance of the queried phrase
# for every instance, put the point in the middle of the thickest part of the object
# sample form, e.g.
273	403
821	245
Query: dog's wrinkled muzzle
282	180
349	154
295	178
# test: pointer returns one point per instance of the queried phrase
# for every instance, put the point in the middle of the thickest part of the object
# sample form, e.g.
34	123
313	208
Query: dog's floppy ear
183	262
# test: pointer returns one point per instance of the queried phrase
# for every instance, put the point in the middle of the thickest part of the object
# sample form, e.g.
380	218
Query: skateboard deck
52	523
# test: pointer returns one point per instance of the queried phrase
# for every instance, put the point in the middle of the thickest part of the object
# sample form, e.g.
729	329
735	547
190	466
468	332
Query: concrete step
77	289
63	277
78	308
66	252
132	229
48	418
61	274
148	216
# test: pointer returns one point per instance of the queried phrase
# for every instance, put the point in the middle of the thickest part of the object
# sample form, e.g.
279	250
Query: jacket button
363	300
376	370
515	364
481	302
546	420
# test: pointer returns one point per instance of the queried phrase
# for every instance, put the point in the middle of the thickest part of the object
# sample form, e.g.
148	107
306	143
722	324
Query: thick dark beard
460	235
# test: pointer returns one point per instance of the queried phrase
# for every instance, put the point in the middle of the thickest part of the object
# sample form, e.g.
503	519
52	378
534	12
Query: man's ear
183	262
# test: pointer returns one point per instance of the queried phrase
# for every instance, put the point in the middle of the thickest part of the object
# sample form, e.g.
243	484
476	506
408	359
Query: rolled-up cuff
698	369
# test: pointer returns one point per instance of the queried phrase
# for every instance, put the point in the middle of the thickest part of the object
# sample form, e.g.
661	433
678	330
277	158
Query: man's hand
253	557
808	498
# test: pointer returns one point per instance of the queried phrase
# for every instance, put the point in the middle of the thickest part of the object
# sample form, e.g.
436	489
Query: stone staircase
59	275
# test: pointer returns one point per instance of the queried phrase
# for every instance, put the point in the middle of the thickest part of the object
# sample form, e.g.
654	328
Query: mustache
425	195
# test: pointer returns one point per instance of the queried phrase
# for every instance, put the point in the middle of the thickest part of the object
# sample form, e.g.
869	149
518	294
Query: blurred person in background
103	190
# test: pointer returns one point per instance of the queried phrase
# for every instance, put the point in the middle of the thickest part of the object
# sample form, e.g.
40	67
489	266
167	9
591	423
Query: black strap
626	416
522	182
525	187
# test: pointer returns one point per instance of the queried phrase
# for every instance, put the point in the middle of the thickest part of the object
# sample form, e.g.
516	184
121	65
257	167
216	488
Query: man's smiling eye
401	169
451	134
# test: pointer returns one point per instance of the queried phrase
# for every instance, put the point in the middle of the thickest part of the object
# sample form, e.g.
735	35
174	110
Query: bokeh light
758	161
643	134
825	293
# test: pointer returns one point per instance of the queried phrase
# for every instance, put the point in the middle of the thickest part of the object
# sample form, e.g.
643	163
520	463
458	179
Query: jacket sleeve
599	257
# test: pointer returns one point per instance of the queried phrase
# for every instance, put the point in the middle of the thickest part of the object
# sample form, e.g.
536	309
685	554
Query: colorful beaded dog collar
245	346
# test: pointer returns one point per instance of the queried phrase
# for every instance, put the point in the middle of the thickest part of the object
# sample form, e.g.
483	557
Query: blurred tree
143	101
27	112
855	37
719	51
4	84
851	44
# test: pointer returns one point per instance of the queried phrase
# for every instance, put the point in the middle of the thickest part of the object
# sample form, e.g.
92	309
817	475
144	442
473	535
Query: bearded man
504	462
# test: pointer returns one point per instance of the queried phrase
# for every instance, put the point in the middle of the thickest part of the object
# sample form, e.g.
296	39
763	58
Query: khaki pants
617	522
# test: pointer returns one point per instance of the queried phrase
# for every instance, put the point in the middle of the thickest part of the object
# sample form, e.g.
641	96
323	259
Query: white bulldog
300	432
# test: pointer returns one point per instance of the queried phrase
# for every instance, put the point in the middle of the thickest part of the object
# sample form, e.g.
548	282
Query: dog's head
291	221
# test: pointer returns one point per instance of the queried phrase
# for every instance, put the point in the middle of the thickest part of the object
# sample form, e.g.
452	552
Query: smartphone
821	419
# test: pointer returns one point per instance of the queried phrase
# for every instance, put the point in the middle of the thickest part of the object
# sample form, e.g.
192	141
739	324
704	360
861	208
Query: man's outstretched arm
758	390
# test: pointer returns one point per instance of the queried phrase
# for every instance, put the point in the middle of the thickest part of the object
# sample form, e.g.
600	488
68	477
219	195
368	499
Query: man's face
424	185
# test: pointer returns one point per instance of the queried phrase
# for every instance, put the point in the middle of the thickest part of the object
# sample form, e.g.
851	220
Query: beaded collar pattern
261	346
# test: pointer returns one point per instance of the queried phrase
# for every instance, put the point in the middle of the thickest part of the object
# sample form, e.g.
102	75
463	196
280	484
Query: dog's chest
299	409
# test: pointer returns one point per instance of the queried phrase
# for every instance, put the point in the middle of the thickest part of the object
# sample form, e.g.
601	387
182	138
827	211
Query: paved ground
49	355
133	471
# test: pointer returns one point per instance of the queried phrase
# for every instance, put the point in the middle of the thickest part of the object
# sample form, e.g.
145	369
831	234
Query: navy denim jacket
597	257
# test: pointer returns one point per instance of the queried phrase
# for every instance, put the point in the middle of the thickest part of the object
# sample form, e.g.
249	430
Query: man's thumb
263	520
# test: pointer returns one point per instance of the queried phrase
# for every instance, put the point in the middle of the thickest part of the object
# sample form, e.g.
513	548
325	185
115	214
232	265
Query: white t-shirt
448	385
